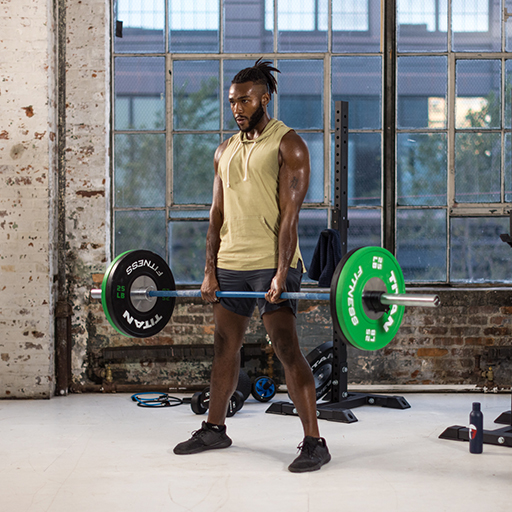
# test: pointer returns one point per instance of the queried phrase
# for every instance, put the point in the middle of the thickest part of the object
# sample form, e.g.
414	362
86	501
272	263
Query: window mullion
389	127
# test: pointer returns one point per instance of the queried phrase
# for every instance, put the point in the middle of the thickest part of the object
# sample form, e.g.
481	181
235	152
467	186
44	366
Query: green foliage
421	169
193	153
140	180
188	248
140	170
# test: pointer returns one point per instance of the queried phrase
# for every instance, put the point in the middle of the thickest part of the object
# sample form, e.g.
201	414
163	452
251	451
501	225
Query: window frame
389	131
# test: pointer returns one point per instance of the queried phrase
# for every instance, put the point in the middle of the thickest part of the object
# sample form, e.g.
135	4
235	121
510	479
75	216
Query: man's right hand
209	287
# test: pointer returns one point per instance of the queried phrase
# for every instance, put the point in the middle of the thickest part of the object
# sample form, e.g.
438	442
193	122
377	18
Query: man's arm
294	171
210	284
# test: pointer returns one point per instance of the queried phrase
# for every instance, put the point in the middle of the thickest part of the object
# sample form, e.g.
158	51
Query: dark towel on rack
326	257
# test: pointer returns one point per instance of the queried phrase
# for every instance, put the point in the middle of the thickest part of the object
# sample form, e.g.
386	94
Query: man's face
248	102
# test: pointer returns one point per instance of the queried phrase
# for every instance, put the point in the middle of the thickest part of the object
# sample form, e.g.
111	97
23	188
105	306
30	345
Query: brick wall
449	345
27	144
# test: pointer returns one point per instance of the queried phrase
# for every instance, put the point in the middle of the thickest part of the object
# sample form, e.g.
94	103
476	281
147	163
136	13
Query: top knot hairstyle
260	73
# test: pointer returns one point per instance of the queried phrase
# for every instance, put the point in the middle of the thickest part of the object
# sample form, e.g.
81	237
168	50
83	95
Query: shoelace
306	447
197	433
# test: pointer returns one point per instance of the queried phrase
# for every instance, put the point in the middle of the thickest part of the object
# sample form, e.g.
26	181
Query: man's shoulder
224	145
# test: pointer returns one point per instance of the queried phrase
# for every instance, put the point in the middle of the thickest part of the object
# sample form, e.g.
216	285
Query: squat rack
339	399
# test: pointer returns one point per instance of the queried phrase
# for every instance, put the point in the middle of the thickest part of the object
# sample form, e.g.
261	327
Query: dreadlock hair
260	73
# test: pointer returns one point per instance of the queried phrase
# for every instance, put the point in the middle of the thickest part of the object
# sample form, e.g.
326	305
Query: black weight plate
244	384
264	389
236	402
196	403
122	277
320	360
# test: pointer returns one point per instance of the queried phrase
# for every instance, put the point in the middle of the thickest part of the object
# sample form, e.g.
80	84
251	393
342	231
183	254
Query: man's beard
255	119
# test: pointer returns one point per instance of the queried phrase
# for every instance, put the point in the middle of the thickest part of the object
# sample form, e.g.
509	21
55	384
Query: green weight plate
134	317
366	269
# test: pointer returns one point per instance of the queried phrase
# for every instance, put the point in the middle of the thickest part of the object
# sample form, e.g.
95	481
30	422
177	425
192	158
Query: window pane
315	143
143	26
508	26
358	80
139	93
478	100
356	26
245	29
508	92
477	167
478	254
421	26
302	25
194	26
139	167
421	169
476	26
421	244
196	95
311	224
300	92
140	230
187	249
231	68
422	88
364	169
365	228
508	167
193	167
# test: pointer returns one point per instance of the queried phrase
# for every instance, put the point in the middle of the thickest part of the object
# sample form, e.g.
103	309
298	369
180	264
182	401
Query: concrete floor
95	453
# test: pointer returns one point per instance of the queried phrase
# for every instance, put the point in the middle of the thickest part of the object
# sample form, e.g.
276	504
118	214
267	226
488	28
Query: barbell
367	296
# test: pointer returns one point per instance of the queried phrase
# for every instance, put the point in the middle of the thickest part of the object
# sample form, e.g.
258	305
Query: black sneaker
313	455
206	438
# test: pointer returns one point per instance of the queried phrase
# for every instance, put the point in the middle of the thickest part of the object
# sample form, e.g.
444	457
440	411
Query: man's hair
260	73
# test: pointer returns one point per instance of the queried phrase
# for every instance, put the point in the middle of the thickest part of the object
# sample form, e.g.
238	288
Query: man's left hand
277	287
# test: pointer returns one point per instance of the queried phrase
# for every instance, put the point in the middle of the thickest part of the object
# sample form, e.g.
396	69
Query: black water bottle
476	433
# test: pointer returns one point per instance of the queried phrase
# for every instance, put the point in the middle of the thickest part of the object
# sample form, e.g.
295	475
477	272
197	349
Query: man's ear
265	99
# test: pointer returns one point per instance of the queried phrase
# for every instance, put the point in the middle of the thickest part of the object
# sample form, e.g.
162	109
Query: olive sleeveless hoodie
249	170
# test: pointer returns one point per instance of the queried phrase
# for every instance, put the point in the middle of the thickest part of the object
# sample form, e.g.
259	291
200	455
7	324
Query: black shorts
256	281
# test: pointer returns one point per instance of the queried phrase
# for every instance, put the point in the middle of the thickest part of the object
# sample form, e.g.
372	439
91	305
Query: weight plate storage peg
365	271
128	313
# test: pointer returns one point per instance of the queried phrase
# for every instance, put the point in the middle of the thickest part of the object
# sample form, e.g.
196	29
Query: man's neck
258	129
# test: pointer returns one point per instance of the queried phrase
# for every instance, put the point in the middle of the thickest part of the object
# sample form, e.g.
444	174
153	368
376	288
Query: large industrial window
173	62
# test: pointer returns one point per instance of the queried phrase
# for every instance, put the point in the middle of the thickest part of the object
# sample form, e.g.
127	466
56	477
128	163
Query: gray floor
100	453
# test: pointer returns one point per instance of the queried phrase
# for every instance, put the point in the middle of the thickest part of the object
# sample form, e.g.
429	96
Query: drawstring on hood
246	173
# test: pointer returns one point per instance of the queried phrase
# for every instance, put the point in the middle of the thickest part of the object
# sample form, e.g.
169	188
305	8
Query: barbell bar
367	296
387	299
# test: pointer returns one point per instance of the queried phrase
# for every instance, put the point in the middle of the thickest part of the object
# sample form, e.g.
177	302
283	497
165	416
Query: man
261	179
